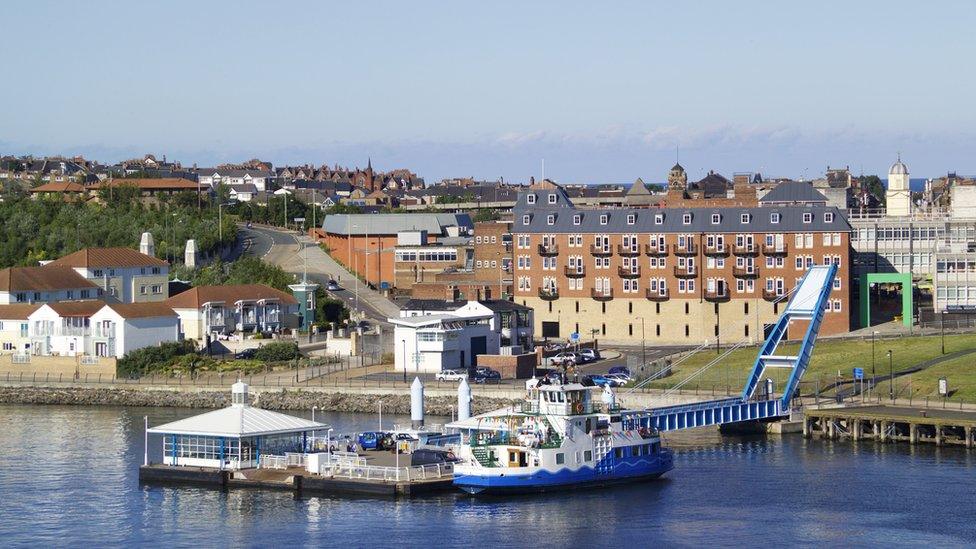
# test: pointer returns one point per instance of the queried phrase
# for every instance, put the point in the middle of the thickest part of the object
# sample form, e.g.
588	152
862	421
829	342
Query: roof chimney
146	245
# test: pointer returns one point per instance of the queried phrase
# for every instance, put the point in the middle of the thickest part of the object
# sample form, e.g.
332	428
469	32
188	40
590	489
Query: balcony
720	251
549	295
551	249
629	272
745	249
628	250
716	296
775	249
575	271
684	272
656	295
745	272
655	250
600	250
601	295
771	295
687	249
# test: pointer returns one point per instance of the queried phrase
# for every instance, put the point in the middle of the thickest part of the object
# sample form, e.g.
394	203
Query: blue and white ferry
558	438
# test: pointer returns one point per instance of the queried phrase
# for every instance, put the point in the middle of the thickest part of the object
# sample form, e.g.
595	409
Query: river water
68	475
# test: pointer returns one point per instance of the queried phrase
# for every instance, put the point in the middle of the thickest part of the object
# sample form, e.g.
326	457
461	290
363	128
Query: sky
598	92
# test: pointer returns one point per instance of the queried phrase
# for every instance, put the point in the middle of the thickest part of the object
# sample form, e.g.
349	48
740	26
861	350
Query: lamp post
452	412
328	442
874	335
381	415
942	318
404	341
643	347
891	378
313	421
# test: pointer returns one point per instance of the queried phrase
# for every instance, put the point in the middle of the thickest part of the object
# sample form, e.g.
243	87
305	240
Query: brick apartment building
680	275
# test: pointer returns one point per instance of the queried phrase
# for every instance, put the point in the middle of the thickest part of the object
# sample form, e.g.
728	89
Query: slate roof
672	219
377	224
794	192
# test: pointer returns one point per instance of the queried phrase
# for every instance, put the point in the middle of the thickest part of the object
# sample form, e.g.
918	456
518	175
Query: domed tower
898	195
677	179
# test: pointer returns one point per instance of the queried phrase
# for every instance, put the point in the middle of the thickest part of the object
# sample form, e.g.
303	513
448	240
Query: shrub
277	352
151	359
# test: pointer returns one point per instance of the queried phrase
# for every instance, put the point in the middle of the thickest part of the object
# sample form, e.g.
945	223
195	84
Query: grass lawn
833	356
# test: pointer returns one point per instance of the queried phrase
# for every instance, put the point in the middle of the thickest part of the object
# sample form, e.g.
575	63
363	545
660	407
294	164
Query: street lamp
328	442
404	341
891	379
874	335
942	318
643	348
313	421
381	415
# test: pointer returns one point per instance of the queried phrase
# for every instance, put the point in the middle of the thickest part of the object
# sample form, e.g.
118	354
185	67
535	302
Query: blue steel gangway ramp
808	303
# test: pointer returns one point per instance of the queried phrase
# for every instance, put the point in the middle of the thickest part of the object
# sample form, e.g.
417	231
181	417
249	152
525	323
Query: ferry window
512	456
560	459
577	456
618	453
587	455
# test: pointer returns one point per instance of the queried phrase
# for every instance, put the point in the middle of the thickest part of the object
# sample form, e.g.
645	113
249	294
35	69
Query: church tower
677	179
898	195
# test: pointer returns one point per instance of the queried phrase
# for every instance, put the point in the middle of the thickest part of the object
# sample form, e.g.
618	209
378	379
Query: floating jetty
892	424
245	447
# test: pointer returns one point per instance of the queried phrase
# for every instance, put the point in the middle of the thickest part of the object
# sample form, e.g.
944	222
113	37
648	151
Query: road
291	251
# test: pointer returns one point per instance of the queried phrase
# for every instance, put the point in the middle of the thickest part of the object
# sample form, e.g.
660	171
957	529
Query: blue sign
574	336
858	373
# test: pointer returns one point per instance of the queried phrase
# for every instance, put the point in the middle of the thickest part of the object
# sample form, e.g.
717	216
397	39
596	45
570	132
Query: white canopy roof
237	422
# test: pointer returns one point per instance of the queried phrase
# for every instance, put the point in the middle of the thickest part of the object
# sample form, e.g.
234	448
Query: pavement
292	251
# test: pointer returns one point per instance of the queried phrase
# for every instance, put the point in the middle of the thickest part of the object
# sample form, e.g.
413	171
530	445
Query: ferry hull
487	481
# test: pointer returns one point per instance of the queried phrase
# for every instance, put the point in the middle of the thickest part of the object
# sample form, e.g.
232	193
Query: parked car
245	354
620	370
565	358
618	380
374	440
333	286
590	354
596	380
451	375
486	375
429	456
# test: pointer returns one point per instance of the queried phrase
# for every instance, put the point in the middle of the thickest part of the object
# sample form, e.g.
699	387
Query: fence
393	474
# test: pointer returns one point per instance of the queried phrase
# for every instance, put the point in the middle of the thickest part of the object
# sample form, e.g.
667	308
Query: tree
874	186
487	214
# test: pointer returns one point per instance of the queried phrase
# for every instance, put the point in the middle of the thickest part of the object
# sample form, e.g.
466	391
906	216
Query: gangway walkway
808	302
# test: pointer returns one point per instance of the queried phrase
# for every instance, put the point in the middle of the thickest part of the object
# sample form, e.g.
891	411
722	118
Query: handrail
660	373
702	370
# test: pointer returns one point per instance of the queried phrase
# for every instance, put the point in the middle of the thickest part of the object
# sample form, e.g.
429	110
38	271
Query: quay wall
342	400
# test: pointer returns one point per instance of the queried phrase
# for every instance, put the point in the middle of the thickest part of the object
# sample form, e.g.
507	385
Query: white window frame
604	219
552	198
686	219
774	217
658	219
530	198
716	218
807	217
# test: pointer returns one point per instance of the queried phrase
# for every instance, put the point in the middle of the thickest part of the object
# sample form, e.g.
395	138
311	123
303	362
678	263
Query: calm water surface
68	475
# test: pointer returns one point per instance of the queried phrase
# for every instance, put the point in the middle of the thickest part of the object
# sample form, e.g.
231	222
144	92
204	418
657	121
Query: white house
44	285
119	328
513	322
215	176
443	341
13	327
222	310
97	328
128	275
243	193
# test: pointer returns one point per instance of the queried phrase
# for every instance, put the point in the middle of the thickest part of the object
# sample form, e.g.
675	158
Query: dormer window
552	198
577	219
828	217
550	219
807	217
631	219
604	219
526	218
744	218
686	219
774	217
658	219
530	198
716	218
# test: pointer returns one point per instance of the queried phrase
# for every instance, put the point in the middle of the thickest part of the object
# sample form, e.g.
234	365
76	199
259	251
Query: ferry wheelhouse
558	438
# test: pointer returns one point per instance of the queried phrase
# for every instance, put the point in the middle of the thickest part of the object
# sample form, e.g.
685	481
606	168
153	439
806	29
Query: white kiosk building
234	437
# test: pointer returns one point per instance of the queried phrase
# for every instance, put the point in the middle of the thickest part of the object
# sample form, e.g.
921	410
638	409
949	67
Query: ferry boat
558	438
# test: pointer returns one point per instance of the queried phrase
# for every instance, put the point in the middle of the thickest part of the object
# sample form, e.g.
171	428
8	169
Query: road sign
858	373
574	337
299	220
943	386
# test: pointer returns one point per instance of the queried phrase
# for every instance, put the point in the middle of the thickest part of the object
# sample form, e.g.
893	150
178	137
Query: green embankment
833	357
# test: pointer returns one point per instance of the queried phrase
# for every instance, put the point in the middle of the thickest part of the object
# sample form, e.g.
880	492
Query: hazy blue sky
603	91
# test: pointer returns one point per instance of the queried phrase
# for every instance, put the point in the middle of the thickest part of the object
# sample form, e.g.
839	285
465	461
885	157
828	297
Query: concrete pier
893	424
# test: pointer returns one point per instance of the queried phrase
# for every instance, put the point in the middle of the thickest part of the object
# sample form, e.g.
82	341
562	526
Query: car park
451	375
565	358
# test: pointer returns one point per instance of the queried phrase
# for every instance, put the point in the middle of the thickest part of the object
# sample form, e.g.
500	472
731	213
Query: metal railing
392	474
